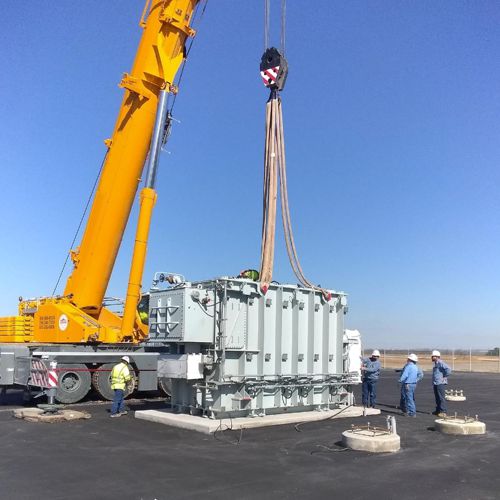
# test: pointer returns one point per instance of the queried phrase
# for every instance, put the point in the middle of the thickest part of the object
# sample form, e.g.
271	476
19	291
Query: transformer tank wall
262	353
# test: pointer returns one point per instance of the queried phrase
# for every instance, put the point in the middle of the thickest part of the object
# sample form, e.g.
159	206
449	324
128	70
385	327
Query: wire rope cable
267	18
283	25
267	14
81	222
188	50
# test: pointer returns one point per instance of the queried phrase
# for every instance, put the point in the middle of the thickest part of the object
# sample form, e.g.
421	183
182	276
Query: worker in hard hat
410	376
370	373
120	378
440	373
250	274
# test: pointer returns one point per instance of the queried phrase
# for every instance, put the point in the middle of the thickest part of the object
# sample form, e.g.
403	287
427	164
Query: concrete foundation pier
367	440
460	426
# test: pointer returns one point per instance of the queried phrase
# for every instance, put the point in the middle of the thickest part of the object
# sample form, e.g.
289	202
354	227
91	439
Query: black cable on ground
221	431
328	449
297	426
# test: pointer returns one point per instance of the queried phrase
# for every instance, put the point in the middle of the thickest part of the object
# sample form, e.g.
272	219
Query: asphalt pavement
127	458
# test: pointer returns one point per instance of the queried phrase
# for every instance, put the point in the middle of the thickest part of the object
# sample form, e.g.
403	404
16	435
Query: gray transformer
235	351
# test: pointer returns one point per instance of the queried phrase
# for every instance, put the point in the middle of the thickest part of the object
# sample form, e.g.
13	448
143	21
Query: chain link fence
460	360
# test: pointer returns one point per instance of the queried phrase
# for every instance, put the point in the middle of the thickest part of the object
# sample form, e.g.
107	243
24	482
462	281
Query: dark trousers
118	404
369	393
440	396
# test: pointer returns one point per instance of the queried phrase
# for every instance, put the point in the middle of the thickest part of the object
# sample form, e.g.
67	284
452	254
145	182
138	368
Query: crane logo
63	322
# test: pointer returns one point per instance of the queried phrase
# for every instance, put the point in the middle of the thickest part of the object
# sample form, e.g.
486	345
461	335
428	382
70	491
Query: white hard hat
376	352
436	353
413	357
126	358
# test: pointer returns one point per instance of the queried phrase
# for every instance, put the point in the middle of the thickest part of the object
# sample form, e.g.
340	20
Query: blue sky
392	126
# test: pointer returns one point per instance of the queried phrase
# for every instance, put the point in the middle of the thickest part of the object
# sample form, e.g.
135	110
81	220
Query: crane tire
101	381
73	382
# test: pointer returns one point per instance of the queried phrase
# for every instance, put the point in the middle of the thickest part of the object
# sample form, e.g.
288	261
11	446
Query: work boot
441	415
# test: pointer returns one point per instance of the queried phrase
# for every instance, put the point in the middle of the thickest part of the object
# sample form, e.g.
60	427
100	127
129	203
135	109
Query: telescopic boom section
148	200
161	50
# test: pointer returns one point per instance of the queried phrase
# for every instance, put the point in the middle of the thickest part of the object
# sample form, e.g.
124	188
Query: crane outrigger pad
40	415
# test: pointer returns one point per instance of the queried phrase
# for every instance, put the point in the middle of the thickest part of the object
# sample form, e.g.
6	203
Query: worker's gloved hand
407	387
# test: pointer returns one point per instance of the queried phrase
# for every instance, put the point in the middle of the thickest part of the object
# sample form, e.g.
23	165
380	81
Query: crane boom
160	53
78	316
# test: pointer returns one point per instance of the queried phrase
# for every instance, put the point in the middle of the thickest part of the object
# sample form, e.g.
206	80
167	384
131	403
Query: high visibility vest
250	274
120	375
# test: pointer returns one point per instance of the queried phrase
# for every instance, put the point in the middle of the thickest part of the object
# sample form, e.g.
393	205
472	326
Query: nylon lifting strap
274	70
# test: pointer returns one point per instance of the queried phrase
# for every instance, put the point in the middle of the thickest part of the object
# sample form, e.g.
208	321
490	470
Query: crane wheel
73	384
101	382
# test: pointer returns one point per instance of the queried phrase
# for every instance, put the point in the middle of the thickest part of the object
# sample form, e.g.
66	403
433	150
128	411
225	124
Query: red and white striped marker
53	375
269	75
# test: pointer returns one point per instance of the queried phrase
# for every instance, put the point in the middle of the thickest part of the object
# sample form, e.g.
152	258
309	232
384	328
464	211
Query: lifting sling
274	70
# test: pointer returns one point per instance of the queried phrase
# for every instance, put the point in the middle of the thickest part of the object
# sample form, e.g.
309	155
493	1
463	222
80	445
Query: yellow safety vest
120	375
144	317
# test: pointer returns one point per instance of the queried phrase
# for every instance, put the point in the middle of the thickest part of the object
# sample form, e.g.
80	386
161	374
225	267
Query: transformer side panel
236	321
268	327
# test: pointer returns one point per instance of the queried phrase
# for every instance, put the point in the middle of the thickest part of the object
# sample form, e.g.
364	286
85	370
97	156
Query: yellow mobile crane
75	328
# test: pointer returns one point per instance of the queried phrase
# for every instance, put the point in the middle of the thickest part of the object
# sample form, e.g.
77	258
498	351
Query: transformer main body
235	351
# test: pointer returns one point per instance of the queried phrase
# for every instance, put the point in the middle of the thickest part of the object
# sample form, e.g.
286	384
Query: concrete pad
38	415
208	426
365	440
459	426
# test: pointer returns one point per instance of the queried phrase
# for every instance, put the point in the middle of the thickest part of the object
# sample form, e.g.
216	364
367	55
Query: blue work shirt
440	371
371	373
411	374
